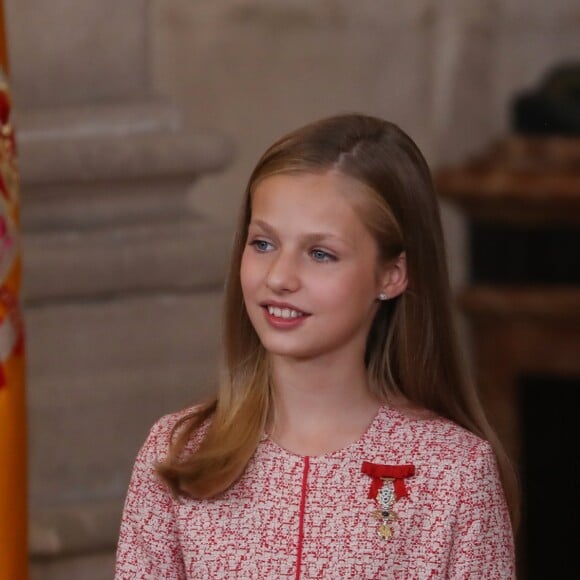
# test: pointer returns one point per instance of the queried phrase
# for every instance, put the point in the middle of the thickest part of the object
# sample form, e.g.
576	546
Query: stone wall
68	52
122	277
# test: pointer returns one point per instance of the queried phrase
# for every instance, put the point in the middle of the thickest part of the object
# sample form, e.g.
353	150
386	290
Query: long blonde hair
412	347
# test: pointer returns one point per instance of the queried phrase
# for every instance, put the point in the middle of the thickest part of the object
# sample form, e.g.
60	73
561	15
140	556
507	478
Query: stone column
122	277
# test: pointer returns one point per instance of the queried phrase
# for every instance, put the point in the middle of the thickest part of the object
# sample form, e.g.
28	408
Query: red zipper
301	516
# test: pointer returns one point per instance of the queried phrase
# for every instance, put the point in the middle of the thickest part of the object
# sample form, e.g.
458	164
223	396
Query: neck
319	407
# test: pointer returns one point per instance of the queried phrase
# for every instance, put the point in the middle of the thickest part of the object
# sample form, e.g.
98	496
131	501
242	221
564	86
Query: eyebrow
310	238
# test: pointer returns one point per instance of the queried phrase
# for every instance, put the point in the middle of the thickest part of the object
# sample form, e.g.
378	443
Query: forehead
324	197
309	206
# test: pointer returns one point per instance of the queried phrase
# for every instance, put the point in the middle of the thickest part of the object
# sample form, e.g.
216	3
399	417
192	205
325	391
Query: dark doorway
550	477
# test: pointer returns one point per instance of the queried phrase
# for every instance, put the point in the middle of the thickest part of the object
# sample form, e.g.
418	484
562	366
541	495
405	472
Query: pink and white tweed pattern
454	524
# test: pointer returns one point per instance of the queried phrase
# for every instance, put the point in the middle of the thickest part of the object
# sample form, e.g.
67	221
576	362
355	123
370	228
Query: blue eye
261	245
322	256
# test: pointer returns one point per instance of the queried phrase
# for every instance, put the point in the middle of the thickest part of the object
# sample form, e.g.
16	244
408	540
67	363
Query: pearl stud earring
382	296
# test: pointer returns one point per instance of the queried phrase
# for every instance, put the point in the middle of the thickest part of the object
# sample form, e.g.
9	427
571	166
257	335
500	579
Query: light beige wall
66	52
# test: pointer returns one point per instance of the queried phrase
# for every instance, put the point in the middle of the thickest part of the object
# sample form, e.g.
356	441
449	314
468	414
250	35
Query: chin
285	346
286	350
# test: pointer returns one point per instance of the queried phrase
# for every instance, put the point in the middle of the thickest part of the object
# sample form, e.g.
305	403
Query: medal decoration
387	487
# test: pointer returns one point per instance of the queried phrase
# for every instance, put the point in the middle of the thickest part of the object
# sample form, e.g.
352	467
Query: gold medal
385	531
387	488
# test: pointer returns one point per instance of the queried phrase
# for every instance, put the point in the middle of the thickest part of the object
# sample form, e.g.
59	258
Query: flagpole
13	432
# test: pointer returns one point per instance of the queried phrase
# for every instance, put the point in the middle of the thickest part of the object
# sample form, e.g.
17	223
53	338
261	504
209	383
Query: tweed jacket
442	515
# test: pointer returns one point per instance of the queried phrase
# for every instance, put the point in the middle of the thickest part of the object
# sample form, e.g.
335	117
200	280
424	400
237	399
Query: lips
283	314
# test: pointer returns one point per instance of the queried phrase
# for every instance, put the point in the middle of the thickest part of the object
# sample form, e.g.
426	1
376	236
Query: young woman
345	440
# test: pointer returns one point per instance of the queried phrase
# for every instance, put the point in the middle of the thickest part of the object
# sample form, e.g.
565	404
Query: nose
283	275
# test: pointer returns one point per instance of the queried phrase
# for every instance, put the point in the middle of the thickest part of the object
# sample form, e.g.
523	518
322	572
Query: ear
394	279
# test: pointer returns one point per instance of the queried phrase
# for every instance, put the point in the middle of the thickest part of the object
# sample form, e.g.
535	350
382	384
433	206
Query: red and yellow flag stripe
13	440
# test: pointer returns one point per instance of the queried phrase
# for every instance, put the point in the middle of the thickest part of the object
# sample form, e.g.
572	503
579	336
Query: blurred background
138	123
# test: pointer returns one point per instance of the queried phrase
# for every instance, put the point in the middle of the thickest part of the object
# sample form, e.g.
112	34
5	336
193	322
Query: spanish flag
13	447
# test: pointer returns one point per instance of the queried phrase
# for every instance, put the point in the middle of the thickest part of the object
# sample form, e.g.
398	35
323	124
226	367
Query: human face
309	271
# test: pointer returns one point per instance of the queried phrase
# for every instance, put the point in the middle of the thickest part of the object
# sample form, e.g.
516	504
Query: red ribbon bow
395	472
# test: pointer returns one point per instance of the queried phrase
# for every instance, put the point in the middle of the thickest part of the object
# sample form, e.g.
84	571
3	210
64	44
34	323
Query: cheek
354	287
248	273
